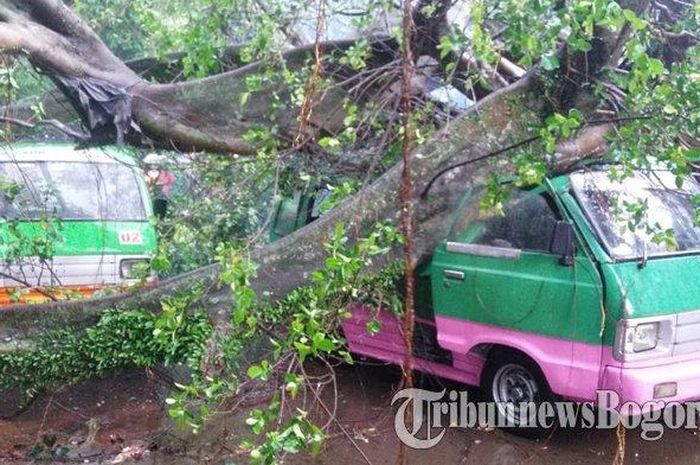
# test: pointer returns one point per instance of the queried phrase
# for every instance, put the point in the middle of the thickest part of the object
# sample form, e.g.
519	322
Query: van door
497	273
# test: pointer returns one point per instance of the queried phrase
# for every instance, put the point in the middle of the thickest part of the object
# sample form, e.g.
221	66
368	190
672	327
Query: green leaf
255	371
580	44
373	326
692	154
655	67
329	143
635	21
303	350
244	98
550	62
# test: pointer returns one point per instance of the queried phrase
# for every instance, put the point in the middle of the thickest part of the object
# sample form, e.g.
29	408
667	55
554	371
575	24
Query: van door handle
453	274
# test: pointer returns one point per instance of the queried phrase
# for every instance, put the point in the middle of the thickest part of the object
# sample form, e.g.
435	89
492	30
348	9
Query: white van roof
64	153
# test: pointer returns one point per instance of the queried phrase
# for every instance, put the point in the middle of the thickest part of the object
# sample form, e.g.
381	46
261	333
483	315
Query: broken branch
79	136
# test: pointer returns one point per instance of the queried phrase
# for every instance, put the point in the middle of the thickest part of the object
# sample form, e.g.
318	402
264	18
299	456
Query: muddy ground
121	419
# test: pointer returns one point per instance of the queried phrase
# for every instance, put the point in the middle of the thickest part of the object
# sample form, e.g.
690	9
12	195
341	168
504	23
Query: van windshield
628	214
70	191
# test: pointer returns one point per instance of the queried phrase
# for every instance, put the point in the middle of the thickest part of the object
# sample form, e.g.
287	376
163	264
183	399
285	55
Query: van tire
510	375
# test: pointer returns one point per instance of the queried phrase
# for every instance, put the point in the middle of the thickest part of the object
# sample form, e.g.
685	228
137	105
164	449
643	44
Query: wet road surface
98	419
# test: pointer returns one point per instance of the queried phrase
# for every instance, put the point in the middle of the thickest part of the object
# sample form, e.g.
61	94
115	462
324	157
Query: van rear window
70	191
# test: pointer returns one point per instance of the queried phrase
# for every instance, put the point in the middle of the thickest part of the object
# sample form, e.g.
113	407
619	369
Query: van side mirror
563	242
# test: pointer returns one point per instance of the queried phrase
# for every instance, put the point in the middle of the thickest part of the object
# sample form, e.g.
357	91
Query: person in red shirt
159	181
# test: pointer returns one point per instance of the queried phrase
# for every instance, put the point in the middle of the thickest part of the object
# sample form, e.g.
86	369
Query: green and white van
72	222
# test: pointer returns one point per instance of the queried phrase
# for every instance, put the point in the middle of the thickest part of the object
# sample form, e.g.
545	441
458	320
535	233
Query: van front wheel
516	386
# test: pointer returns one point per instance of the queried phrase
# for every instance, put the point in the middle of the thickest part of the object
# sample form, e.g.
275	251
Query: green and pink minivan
561	294
72	222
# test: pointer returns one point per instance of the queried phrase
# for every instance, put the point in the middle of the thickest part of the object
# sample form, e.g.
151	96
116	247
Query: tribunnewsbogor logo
430	413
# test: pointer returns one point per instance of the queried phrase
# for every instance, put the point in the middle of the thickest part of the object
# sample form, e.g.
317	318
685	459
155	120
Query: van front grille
687	333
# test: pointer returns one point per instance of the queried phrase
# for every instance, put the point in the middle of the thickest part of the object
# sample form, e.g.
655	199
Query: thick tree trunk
116	104
206	115
502	118
57	106
499	120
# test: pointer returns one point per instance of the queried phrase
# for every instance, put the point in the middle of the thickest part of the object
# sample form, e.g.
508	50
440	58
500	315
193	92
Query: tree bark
205	114
115	103
501	118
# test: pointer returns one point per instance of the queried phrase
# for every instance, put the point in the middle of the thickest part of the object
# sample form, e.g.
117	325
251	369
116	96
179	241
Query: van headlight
641	337
133	268
644	337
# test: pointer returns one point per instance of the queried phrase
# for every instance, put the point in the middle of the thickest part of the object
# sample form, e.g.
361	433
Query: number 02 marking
130	238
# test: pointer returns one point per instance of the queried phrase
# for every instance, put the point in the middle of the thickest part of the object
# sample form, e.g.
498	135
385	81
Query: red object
165	181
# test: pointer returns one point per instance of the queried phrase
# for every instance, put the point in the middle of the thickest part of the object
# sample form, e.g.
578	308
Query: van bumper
654	383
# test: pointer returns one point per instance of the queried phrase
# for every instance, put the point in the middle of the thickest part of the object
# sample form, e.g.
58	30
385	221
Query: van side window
527	223
71	191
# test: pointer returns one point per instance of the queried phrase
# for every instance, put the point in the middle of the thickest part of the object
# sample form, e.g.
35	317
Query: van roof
28	152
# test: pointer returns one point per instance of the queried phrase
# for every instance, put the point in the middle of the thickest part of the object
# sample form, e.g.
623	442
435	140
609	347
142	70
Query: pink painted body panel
573	370
388	345
634	382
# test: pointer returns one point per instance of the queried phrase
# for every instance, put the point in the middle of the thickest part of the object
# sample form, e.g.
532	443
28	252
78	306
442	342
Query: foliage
339	193
227	209
312	316
121	339
17	243
657	99
220	200
19	80
122	25
23	243
202	29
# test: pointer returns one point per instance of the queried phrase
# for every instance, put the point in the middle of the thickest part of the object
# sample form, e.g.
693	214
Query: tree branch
79	136
29	285
570	149
11	40
55	15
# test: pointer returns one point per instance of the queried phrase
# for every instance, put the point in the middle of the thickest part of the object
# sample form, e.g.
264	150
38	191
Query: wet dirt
128	406
367	392
91	421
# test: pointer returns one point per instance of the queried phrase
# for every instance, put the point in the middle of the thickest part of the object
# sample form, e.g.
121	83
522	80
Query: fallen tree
491	137
116	104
